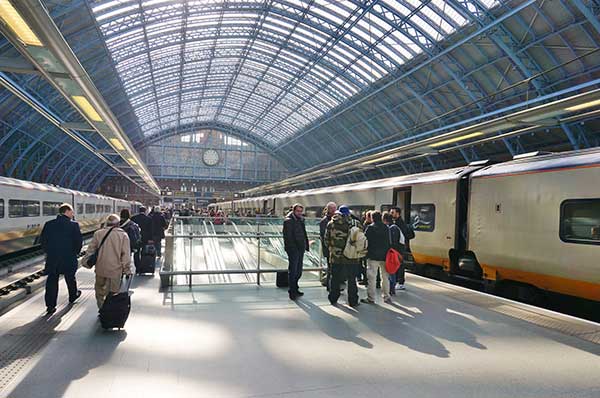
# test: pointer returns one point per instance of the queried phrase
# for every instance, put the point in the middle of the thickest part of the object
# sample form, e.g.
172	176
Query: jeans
339	274
372	267
52	288
295	259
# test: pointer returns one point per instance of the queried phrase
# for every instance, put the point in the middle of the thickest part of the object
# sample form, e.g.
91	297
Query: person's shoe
299	293
50	310
388	300
367	301
363	282
355	305
401	287
293	297
77	295
392	292
334	303
378	286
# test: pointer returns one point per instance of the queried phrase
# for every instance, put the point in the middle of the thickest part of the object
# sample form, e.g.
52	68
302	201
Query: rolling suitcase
281	279
147	264
116	307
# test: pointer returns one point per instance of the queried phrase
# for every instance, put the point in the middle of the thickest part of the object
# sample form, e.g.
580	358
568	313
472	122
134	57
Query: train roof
391	182
36	186
543	163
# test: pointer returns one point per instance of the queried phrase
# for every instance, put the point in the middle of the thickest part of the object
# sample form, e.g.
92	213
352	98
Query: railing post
191	258
258	258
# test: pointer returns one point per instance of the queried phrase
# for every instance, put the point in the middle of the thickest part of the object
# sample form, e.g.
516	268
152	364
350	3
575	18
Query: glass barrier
200	250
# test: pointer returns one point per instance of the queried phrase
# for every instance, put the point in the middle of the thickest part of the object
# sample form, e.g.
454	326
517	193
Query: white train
530	222
25	207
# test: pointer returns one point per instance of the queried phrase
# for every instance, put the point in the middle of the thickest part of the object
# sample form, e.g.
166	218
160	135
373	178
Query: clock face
210	157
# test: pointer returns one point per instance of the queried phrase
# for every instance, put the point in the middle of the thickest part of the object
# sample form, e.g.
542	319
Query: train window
107	209
580	221
89	208
23	208
50	208
99	209
79	208
1	208
422	217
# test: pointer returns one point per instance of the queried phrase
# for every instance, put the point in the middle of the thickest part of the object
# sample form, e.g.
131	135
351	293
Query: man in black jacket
61	241
378	236
296	243
145	224
331	209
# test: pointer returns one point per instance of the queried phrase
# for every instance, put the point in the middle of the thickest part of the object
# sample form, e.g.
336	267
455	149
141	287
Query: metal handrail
235	271
224	236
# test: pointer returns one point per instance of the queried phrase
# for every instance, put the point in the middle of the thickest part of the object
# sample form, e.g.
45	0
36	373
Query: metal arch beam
588	13
51	151
98	180
428	62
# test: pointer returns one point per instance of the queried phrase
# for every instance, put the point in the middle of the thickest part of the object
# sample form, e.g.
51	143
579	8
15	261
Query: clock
210	157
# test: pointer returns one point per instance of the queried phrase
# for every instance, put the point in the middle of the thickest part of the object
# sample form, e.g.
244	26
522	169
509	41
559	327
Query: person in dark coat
61	241
145	224
331	208
295	242
159	224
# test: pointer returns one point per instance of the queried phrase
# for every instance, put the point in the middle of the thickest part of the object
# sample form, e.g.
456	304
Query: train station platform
243	340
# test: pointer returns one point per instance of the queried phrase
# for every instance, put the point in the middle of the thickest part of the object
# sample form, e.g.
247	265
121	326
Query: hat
344	210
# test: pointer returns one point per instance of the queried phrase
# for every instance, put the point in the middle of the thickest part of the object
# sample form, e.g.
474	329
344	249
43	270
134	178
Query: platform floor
249	341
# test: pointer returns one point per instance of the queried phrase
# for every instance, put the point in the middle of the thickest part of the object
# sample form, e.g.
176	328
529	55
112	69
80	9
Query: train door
264	207
402	200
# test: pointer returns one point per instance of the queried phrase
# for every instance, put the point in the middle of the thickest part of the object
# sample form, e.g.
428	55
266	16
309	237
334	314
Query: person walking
113	258
132	229
61	240
159	225
342	268
145	224
362	276
295	242
378	237
330	210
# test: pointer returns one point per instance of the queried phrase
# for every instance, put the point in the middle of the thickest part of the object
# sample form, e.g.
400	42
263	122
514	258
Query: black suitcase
116	308
281	279
147	264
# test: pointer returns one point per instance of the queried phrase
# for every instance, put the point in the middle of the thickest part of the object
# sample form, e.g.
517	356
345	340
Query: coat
61	241
159	224
336	236
322	229
294	234
145	224
378	236
114	258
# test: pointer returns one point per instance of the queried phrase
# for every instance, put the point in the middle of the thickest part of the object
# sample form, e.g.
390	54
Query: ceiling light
117	144
583	106
132	161
86	107
456	139
17	24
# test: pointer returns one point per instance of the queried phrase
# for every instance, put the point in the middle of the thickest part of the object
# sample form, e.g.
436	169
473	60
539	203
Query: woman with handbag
110	254
397	242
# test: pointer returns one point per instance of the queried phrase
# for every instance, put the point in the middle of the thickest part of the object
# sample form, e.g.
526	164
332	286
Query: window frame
26	215
2	208
92	206
44	208
561	219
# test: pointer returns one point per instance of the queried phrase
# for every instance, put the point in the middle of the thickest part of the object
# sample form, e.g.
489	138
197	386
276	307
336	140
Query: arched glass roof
269	67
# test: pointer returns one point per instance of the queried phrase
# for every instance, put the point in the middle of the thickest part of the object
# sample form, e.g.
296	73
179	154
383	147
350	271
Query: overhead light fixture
17	24
583	106
86	107
117	144
379	159
132	161
456	139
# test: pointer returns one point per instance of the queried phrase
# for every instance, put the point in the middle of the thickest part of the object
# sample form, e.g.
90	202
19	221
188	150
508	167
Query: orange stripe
426	259
557	284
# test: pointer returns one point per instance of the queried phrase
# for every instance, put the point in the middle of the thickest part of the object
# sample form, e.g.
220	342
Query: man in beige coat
114	258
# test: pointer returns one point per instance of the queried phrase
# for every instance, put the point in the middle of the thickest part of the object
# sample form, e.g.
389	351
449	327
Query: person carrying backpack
344	264
133	230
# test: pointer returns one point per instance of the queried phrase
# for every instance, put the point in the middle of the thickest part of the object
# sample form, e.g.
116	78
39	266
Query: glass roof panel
270	70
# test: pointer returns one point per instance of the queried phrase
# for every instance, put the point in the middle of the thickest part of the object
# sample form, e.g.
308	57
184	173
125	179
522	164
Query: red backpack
393	261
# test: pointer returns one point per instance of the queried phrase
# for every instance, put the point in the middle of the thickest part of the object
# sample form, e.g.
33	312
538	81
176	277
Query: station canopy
270	67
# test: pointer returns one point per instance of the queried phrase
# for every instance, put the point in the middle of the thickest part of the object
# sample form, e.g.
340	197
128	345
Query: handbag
93	258
393	258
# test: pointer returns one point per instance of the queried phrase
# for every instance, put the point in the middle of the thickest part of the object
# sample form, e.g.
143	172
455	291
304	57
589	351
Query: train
25	206
531	224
